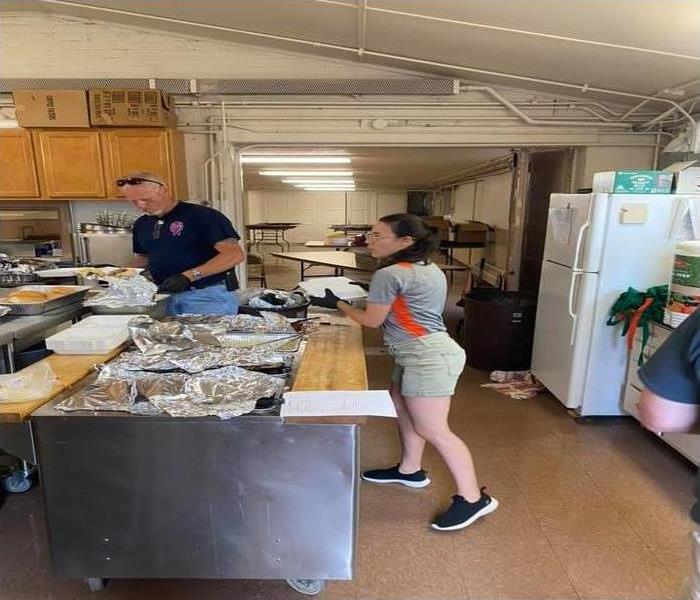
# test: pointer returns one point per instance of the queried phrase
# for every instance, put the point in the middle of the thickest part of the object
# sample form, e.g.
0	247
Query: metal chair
256	269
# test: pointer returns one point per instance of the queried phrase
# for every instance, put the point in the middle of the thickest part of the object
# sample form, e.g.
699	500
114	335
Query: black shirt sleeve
135	235
216	227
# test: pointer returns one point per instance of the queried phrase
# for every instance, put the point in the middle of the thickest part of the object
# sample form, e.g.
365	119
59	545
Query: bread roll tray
76	294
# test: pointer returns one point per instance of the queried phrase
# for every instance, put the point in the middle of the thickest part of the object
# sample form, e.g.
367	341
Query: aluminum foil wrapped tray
188	332
197	343
135	291
267	322
202	358
224	393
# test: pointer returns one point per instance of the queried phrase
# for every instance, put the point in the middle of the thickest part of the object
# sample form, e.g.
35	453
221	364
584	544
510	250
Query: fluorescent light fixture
306	173
323	184
320	188
320	181
306	159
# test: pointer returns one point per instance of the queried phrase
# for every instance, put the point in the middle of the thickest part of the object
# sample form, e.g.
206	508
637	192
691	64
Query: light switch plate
633	214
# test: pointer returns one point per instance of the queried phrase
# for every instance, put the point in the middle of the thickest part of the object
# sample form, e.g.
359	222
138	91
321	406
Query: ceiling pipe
347	49
361	26
508	104
564	105
523	32
666	114
680	86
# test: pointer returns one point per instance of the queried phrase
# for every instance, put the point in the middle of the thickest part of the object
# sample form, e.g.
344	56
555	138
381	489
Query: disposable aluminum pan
36	308
155	311
14	278
225	393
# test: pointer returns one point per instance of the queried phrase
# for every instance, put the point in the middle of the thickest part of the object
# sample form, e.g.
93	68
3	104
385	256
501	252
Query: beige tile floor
594	510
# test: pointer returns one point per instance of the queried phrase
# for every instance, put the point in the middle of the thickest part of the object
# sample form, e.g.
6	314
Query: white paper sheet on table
340	286
371	403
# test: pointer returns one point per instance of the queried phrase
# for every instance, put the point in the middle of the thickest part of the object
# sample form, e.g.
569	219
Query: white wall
486	200
317	210
463	202
615	158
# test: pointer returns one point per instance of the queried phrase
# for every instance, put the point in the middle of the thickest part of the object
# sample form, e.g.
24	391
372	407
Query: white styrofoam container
688	181
93	335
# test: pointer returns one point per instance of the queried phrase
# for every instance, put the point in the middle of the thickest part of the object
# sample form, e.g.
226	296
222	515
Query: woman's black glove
174	284
361	284
330	300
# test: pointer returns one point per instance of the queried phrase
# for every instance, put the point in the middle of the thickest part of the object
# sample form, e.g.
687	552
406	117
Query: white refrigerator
597	246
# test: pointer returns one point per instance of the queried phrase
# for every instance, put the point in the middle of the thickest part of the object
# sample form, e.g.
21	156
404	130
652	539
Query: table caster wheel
96	584
309	587
17	483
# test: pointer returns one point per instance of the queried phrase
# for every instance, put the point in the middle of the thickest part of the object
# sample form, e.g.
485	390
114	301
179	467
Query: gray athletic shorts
427	366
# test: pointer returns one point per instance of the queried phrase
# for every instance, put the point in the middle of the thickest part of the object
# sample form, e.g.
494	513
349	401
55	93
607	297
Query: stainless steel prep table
255	497
19	332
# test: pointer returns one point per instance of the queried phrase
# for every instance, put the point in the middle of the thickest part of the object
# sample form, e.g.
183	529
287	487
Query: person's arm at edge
665	416
372	316
229	254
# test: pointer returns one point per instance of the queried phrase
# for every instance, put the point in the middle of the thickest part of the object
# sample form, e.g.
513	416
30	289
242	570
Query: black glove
362	284
174	284
330	300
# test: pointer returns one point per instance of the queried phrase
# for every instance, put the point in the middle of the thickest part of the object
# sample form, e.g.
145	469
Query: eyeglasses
157	226
377	237
122	181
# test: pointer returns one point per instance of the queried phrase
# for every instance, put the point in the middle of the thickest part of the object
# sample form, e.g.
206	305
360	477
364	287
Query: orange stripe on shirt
405	318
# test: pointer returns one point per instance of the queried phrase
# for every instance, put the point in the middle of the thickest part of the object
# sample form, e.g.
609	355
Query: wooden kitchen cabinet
18	178
70	163
159	151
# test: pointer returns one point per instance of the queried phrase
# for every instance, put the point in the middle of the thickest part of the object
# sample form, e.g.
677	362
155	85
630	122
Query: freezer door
562	331
576	229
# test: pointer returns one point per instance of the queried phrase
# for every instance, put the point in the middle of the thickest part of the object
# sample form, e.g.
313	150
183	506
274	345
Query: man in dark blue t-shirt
188	248
670	402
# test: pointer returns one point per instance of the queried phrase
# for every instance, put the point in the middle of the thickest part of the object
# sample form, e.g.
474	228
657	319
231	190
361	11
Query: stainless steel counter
253	497
19	332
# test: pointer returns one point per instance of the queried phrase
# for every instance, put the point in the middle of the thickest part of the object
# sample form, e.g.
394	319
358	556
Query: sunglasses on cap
122	181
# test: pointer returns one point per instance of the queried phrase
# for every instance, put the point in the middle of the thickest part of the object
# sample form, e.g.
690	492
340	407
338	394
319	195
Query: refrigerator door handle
579	243
572	314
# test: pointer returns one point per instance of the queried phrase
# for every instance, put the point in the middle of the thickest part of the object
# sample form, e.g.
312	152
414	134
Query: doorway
549	172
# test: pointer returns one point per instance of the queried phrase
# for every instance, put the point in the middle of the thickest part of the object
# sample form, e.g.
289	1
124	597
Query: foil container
202	358
224	393
158	337
183	333
135	291
267	299
268	322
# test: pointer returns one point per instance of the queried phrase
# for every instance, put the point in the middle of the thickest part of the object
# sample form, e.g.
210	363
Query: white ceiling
378	168
634	46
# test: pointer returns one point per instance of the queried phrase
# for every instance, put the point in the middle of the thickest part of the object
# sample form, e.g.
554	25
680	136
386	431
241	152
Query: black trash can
498	329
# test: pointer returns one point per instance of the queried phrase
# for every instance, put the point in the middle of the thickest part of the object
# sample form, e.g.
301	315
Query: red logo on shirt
176	227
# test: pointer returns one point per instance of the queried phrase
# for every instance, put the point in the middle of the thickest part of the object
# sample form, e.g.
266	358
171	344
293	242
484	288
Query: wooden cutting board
334	359
69	369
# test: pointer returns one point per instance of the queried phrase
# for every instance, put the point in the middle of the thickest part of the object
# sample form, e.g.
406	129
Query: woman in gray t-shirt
406	298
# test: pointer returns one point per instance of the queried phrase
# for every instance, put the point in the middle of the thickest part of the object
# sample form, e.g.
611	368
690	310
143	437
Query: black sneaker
419	479
462	513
